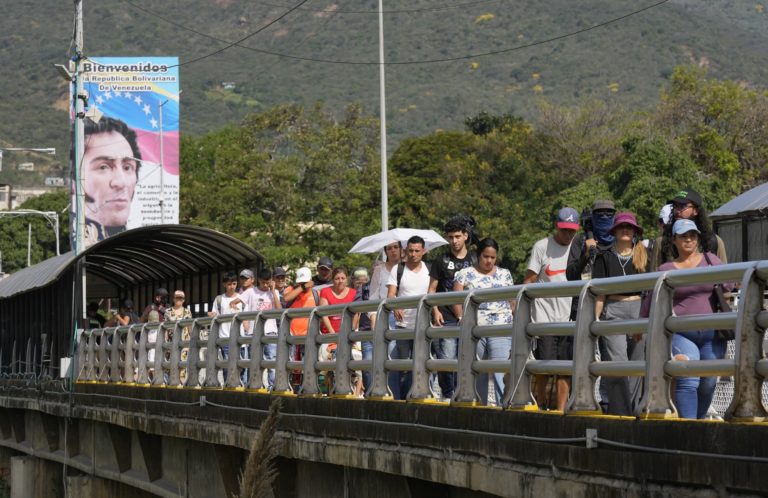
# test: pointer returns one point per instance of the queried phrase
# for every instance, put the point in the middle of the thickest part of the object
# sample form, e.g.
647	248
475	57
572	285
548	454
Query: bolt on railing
157	354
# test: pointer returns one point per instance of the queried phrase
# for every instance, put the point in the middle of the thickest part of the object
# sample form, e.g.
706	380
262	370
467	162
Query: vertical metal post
162	167
282	381
656	400
517	394
466	387
309	385
747	404
256	381
420	388
383	124
29	245
380	388
342	385
582	400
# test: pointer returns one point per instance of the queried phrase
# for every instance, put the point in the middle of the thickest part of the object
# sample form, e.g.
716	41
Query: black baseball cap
325	261
687	195
278	272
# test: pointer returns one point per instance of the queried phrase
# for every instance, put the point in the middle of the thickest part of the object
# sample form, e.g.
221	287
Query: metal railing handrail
120	354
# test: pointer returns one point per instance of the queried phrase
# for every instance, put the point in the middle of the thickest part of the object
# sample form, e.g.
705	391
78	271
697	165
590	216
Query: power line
389	63
238	42
394	11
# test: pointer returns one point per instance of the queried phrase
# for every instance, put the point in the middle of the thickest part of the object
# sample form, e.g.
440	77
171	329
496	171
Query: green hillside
625	62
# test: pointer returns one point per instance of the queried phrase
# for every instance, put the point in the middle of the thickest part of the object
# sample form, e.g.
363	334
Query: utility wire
238	42
394	11
389	63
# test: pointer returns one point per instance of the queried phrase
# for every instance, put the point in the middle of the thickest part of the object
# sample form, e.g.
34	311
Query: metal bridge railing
160	354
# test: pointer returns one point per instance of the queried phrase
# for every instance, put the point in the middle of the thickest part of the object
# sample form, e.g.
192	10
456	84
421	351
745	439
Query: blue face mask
602	223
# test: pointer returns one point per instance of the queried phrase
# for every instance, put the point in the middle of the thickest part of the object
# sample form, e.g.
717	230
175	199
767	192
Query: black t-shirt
443	270
609	264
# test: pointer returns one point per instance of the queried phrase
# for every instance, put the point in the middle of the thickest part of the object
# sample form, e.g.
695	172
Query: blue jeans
245	354
367	355
270	353
492	348
447	349
400	382
693	395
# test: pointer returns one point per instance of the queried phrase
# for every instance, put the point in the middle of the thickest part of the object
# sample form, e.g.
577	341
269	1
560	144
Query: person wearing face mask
596	237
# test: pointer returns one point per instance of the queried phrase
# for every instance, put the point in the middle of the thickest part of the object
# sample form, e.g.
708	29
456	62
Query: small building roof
752	200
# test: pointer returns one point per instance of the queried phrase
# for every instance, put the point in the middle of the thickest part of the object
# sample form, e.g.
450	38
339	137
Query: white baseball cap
303	275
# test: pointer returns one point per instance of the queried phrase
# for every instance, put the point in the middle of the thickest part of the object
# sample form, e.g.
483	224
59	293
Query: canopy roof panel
143	254
752	200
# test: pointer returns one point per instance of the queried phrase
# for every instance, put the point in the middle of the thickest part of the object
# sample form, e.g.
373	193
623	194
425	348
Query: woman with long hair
486	275
625	256
687	204
693	395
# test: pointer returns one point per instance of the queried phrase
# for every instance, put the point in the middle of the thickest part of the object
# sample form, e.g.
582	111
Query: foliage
14	232
298	183
728	35
293	182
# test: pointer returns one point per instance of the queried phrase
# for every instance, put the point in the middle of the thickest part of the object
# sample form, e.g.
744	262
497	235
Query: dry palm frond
260	471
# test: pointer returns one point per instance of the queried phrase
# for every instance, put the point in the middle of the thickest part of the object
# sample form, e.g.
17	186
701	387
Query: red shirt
335	320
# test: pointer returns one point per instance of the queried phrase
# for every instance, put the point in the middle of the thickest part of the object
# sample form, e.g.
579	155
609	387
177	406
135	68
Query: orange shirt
306	299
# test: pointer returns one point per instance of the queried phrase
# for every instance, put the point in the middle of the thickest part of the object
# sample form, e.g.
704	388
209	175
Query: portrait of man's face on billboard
110	172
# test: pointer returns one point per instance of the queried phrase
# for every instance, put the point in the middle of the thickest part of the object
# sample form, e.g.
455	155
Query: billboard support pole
79	132
162	168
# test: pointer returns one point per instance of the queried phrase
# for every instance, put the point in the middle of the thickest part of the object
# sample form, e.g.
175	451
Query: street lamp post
52	217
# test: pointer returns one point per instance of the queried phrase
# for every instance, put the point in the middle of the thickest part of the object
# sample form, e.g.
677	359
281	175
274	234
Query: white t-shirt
262	301
549	260
412	284
228	309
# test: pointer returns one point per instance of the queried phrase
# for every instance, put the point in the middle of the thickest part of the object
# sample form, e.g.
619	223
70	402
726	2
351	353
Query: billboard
132	115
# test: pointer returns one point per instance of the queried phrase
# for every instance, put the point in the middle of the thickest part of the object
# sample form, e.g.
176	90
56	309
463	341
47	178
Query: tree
14	232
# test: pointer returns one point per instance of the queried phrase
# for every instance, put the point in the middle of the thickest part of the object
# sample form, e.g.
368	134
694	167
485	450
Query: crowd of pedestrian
597	243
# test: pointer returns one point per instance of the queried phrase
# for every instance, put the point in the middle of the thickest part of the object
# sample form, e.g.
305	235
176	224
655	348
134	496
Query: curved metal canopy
143	254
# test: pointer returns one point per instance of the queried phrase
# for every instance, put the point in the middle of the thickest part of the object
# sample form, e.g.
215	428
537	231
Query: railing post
582	400
193	357
233	372
143	378
81	356
282	379
14	361
174	370
90	373
104	367
158	378
380	388
420	389
114	354
465	393
656	400
212	354
309	386
130	340
256	382
29	362
747	405
342	385
517	393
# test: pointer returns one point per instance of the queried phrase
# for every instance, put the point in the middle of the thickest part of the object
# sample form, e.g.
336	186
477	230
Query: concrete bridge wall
168	443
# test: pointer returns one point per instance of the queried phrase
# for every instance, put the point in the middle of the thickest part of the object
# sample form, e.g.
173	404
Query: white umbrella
374	243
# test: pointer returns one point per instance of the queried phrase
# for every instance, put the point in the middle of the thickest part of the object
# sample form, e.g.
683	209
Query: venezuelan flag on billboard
130	166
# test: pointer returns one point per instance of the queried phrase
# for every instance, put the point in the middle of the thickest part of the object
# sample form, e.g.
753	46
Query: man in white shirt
549	260
413	281
227	304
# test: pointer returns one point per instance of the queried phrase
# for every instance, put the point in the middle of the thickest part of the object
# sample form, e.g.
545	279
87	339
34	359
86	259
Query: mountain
626	61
